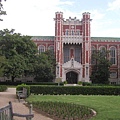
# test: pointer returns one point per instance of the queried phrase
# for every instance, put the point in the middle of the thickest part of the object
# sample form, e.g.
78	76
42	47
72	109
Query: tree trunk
12	78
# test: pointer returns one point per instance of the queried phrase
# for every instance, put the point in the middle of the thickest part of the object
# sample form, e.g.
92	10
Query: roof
96	39
105	39
42	38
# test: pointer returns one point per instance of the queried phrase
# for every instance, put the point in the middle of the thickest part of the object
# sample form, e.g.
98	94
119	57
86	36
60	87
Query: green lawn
107	107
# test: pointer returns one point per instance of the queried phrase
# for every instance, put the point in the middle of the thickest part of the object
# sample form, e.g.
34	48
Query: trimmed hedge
29	83
75	90
3	88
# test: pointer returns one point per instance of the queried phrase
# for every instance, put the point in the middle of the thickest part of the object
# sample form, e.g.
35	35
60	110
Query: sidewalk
18	107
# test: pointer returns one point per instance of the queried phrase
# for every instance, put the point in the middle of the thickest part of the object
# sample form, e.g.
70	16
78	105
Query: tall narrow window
41	49
66	32
86	71
78	32
77	54
66	54
72	32
113	55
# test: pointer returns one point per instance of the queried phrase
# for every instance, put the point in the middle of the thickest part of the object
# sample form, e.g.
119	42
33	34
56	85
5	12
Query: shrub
3	88
65	82
79	82
29	83
20	87
86	84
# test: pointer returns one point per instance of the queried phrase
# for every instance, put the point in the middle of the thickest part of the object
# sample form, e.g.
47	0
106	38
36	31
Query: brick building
73	44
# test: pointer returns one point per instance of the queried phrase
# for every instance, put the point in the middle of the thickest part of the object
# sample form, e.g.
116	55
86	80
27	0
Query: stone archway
72	77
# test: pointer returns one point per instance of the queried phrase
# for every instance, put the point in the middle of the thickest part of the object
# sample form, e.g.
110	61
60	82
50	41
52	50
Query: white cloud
32	17
115	5
66	3
97	22
97	15
111	32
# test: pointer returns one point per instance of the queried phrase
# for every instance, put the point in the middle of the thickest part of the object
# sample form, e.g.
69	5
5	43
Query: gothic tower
58	42
86	46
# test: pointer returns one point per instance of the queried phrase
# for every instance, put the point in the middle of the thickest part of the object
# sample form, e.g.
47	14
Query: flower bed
64	111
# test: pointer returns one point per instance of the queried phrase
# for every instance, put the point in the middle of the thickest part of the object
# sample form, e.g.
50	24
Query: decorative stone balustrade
72	39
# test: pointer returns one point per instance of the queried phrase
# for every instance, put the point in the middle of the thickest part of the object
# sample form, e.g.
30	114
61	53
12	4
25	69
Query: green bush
3	88
20	87
80	82
75	90
87	84
66	111
29	83
65	82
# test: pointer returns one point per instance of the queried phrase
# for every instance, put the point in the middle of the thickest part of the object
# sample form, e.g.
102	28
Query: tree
52	60
2	63
100	71
44	67
19	52
15	67
2	12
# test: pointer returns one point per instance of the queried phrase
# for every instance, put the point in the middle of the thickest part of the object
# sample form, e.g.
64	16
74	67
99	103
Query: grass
107	107
11	86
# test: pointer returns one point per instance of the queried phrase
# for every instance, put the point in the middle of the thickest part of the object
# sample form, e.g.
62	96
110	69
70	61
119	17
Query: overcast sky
35	17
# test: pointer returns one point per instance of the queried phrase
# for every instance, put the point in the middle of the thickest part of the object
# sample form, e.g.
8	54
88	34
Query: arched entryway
72	77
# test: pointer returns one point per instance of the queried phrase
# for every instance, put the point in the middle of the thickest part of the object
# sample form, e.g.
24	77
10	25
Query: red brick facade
72	46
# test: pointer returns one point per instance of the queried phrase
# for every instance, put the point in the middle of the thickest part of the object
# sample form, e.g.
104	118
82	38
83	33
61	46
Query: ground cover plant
107	107
62	110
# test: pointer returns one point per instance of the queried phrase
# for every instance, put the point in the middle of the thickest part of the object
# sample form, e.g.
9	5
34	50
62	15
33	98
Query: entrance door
72	77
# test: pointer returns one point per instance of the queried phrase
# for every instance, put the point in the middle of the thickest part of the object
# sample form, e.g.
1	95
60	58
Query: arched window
113	55
93	49
103	51
41	49
51	48
93	52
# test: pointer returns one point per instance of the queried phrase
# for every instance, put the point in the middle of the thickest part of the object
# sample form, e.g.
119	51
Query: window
72	32
66	54
113	83
93	51
103	51
86	71
113	74
51	48
113	55
66	32
58	71
78	32
77	54
41	49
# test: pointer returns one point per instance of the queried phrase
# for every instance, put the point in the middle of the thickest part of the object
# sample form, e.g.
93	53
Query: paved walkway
18	107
